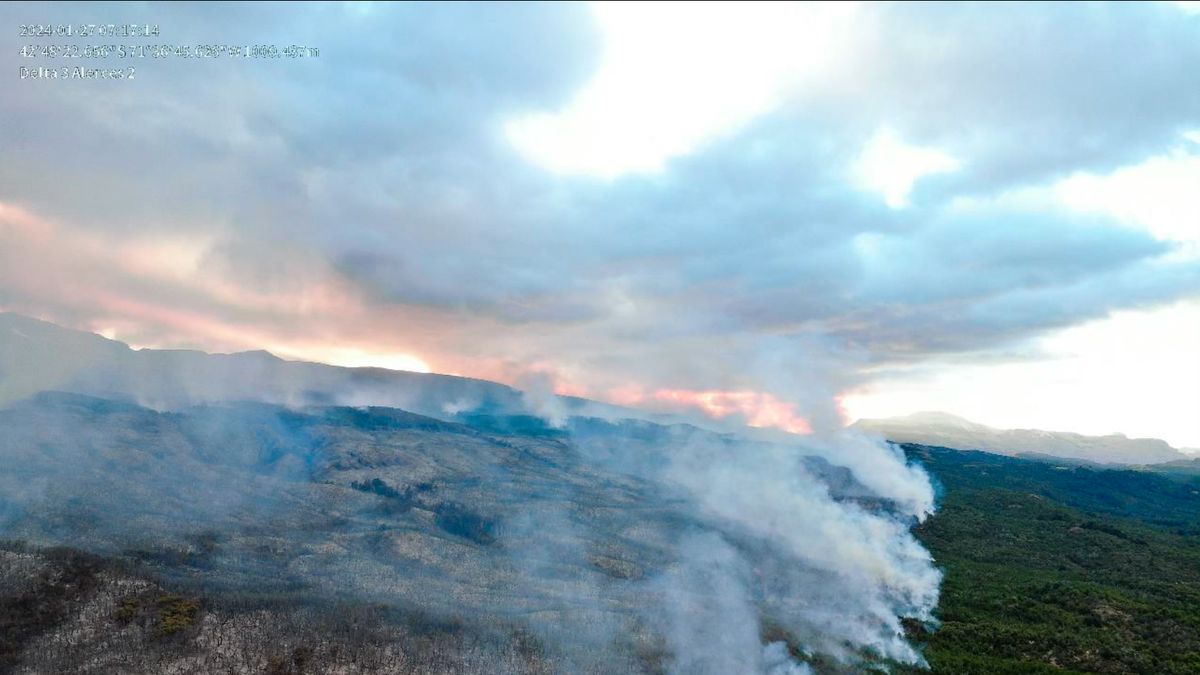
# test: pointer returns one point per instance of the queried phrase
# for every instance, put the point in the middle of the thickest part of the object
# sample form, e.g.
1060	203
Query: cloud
651	102
1030	94
892	166
1158	194
371	198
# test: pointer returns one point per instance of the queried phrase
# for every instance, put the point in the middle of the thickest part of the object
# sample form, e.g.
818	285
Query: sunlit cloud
891	167
166	291
358	358
1161	194
674	75
810	197
1077	379
757	409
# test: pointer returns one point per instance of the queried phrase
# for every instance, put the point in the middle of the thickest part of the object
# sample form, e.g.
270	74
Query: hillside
376	540
545	550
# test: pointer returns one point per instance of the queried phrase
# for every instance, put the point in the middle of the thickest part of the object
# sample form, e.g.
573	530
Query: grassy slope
1058	569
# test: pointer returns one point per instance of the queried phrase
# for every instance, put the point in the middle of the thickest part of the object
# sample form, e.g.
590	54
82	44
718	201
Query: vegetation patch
461	522
398	501
176	613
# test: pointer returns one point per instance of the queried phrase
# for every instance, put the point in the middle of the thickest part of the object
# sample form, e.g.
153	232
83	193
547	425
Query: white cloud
1161	194
1134	372
350	357
891	167
675	74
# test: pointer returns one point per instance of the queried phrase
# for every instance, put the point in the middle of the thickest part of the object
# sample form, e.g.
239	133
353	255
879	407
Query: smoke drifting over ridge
734	551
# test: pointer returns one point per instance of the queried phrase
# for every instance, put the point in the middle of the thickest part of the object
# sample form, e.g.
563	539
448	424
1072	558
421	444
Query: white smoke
712	623
864	557
777	661
459	405
825	554
537	393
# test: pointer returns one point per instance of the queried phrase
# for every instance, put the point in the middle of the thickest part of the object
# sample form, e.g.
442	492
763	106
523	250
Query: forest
1053	567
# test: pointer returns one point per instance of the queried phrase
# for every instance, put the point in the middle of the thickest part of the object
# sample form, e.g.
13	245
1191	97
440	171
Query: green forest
1052	567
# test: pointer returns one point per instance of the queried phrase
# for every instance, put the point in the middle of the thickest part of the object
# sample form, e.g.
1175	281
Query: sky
788	214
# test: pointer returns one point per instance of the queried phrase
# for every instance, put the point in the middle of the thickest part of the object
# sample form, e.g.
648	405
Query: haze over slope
944	429
724	554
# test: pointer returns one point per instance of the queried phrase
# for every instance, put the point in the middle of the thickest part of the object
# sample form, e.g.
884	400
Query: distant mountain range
946	430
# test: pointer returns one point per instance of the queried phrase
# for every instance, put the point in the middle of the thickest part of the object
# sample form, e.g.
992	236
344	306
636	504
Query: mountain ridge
948	430
38	355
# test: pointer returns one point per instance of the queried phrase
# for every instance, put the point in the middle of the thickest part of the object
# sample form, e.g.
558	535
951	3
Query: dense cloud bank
371	197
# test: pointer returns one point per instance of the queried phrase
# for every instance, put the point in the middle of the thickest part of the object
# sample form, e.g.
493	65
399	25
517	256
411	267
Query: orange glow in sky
758	409
349	357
